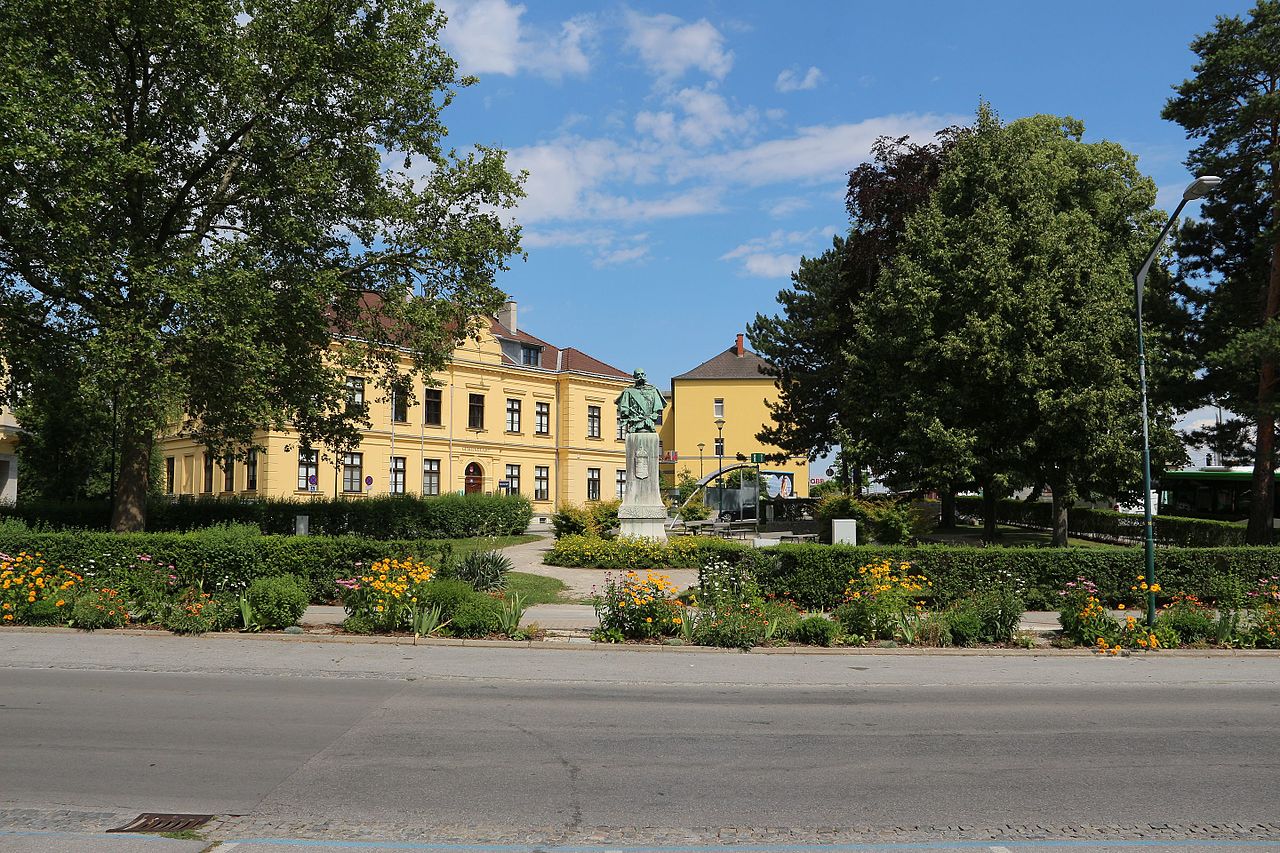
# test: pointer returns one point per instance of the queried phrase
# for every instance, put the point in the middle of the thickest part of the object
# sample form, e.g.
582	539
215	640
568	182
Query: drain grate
153	822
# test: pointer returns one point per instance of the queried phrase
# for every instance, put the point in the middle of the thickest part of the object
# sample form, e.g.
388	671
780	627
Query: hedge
684	552
1084	521
814	576
385	517
216	558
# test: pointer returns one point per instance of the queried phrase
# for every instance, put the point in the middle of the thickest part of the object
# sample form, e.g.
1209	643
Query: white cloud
784	207
819	152
621	256
604	246
760	257
669	47
790	80
488	36
708	117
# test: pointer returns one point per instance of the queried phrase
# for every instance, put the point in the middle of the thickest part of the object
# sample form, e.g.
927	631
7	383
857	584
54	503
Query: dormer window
530	356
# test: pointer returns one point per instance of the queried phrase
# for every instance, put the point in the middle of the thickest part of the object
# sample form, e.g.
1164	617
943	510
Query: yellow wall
476	368
692	420
8	460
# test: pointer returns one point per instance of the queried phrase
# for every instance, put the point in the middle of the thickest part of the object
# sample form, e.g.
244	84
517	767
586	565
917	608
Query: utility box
302	525
844	531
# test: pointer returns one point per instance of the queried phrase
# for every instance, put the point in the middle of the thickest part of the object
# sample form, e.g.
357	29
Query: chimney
507	316
739	348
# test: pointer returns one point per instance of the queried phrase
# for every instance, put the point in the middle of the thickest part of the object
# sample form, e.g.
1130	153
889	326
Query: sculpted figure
640	406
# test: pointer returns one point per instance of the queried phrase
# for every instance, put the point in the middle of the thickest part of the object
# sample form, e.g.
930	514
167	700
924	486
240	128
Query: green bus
1219	493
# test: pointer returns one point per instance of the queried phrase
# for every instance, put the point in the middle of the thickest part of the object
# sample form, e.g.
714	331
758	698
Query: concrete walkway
581	582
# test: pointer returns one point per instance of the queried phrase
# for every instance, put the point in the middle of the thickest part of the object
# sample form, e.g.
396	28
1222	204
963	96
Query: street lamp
1199	188
719	467
702	445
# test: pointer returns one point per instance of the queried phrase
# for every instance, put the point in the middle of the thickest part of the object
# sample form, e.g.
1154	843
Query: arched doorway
473	479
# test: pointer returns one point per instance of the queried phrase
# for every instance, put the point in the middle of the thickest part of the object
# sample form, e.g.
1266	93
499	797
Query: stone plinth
642	513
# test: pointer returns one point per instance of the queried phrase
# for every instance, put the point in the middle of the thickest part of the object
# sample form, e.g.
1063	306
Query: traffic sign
757	458
504	484
368	481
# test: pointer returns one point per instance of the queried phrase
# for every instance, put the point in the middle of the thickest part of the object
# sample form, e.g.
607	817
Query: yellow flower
1121	606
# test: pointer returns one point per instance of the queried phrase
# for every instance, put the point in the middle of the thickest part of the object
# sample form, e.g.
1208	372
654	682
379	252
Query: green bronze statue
640	406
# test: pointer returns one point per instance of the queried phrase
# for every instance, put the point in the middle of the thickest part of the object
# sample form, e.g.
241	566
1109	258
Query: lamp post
719	467
702	445
1199	188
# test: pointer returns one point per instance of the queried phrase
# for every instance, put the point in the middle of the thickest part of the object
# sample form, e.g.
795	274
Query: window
228	474
593	484
622	430
169	465
513	415
718	407
431	407
353	472
251	471
399	406
208	472
620	483
397	475
513	479
541	483
355	393
308	469
475	412
431	476
593	421
531	356
719	451
542	418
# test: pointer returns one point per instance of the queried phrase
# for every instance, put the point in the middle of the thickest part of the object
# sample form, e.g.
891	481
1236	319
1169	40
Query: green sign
757	457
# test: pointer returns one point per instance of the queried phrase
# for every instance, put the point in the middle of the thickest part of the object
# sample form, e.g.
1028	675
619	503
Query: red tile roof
554	358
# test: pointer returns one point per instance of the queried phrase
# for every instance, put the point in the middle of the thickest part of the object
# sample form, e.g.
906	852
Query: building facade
509	413
730	387
9	432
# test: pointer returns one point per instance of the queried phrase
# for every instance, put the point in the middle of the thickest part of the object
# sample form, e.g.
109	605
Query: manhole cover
153	822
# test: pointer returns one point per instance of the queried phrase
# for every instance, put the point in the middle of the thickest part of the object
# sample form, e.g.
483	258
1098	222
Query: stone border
581	644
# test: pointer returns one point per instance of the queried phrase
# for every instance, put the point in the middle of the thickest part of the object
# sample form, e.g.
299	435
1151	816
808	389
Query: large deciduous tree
1232	105
197	197
1002	338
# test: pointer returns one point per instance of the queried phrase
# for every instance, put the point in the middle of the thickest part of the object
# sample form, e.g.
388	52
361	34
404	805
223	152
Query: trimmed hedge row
385	517
814	576
216	558
685	552
1169	529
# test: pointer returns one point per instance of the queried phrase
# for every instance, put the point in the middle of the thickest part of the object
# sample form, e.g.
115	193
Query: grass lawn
537	589
1009	537
484	543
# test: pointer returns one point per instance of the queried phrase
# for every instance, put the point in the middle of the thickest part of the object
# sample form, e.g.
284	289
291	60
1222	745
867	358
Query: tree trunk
948	520
1262	511
129	514
988	514
1060	519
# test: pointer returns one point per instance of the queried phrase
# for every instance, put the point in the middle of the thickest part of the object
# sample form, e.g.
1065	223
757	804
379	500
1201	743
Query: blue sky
683	156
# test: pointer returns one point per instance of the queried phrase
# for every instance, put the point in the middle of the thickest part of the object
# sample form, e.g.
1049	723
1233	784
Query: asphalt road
495	745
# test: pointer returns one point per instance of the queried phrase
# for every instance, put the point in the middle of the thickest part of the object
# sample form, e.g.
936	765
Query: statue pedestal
642	513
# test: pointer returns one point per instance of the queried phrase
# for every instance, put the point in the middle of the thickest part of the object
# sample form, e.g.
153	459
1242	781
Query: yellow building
510	412
9	432
729	387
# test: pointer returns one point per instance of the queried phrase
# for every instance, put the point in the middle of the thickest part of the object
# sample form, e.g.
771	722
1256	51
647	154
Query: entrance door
474	479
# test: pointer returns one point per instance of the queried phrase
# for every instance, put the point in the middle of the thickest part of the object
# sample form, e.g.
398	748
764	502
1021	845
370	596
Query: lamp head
1201	187
719	423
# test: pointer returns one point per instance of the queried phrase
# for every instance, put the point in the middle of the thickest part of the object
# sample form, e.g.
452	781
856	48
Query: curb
581	644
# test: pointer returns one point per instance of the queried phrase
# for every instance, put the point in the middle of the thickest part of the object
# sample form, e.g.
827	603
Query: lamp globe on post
1199	188
702	445
719	467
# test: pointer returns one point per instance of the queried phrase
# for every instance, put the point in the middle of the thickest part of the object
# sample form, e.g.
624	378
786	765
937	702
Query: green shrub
784	616
196	613
1086	521
815	576
386	517
97	608
478	616
636	607
484	570
448	594
1191	620
732	625
964	625
277	602
935	630
886	521
597	519
816	630
685	552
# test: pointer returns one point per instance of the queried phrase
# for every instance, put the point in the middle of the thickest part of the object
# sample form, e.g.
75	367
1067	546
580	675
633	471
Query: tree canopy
197	197
1231	256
